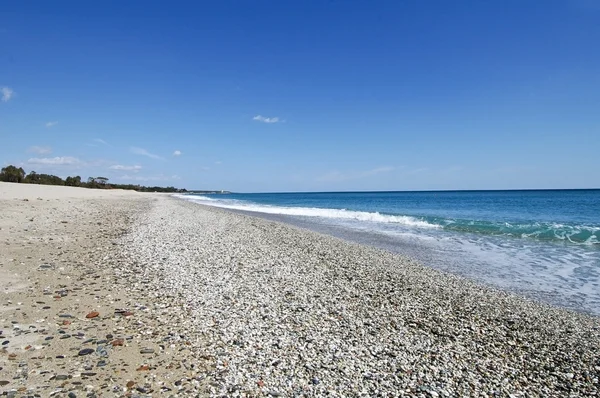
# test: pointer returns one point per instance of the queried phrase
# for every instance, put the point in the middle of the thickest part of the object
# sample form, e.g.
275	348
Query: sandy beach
115	293
71	325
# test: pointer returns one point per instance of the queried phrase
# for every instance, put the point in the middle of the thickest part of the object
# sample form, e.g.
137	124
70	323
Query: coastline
241	306
287	312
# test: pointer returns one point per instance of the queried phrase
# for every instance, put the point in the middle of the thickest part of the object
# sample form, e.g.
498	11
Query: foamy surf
543	231
343	214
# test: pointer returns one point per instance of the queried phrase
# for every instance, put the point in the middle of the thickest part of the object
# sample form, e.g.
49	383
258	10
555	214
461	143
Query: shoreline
424	254
294	312
228	304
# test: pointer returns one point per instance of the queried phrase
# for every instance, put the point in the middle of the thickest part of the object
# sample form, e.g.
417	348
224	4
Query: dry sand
58	256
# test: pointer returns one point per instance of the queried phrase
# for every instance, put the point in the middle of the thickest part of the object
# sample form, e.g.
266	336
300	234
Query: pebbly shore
150	295
279	311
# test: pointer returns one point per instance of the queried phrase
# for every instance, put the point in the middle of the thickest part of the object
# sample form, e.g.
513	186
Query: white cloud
100	141
177	153
51	124
135	168
7	93
218	162
56	161
263	119
339	176
40	149
143	152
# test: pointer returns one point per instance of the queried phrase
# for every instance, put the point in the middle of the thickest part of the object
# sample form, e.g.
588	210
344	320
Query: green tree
32	178
101	180
12	174
73	181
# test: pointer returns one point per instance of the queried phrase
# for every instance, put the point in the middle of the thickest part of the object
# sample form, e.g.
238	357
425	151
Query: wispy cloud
339	176
177	153
51	124
263	119
7	93
97	142
158	177
39	149
135	168
143	152
218	162
56	161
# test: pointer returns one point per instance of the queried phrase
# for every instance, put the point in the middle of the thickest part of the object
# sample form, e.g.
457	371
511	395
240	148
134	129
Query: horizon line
405	191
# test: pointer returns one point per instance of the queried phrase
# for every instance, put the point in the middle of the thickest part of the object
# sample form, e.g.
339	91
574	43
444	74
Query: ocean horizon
541	243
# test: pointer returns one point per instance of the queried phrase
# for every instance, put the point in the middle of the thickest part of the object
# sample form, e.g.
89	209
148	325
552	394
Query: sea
543	244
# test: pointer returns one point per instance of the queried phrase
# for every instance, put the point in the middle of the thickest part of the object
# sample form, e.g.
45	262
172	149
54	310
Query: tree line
13	174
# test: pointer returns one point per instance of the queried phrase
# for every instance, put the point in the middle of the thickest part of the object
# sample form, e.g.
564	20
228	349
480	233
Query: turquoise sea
541	243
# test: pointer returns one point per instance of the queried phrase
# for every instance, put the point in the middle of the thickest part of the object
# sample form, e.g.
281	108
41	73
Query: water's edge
424	256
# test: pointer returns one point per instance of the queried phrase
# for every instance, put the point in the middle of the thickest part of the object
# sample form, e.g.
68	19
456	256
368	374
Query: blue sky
335	95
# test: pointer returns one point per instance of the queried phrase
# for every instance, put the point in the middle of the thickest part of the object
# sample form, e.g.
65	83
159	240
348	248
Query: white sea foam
194	197
310	211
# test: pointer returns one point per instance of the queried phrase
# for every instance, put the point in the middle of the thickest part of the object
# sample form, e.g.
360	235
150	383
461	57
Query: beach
109	293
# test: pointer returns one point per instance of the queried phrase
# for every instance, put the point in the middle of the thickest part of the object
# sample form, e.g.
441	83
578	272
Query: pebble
92	314
86	351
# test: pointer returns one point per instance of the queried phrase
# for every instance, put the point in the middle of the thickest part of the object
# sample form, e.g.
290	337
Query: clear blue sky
259	96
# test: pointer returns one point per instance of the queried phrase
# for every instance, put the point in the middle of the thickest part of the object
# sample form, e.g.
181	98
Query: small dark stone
101	364
65	336
72	395
49	338
5	342
3	383
89	374
61	377
85	351
141	389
